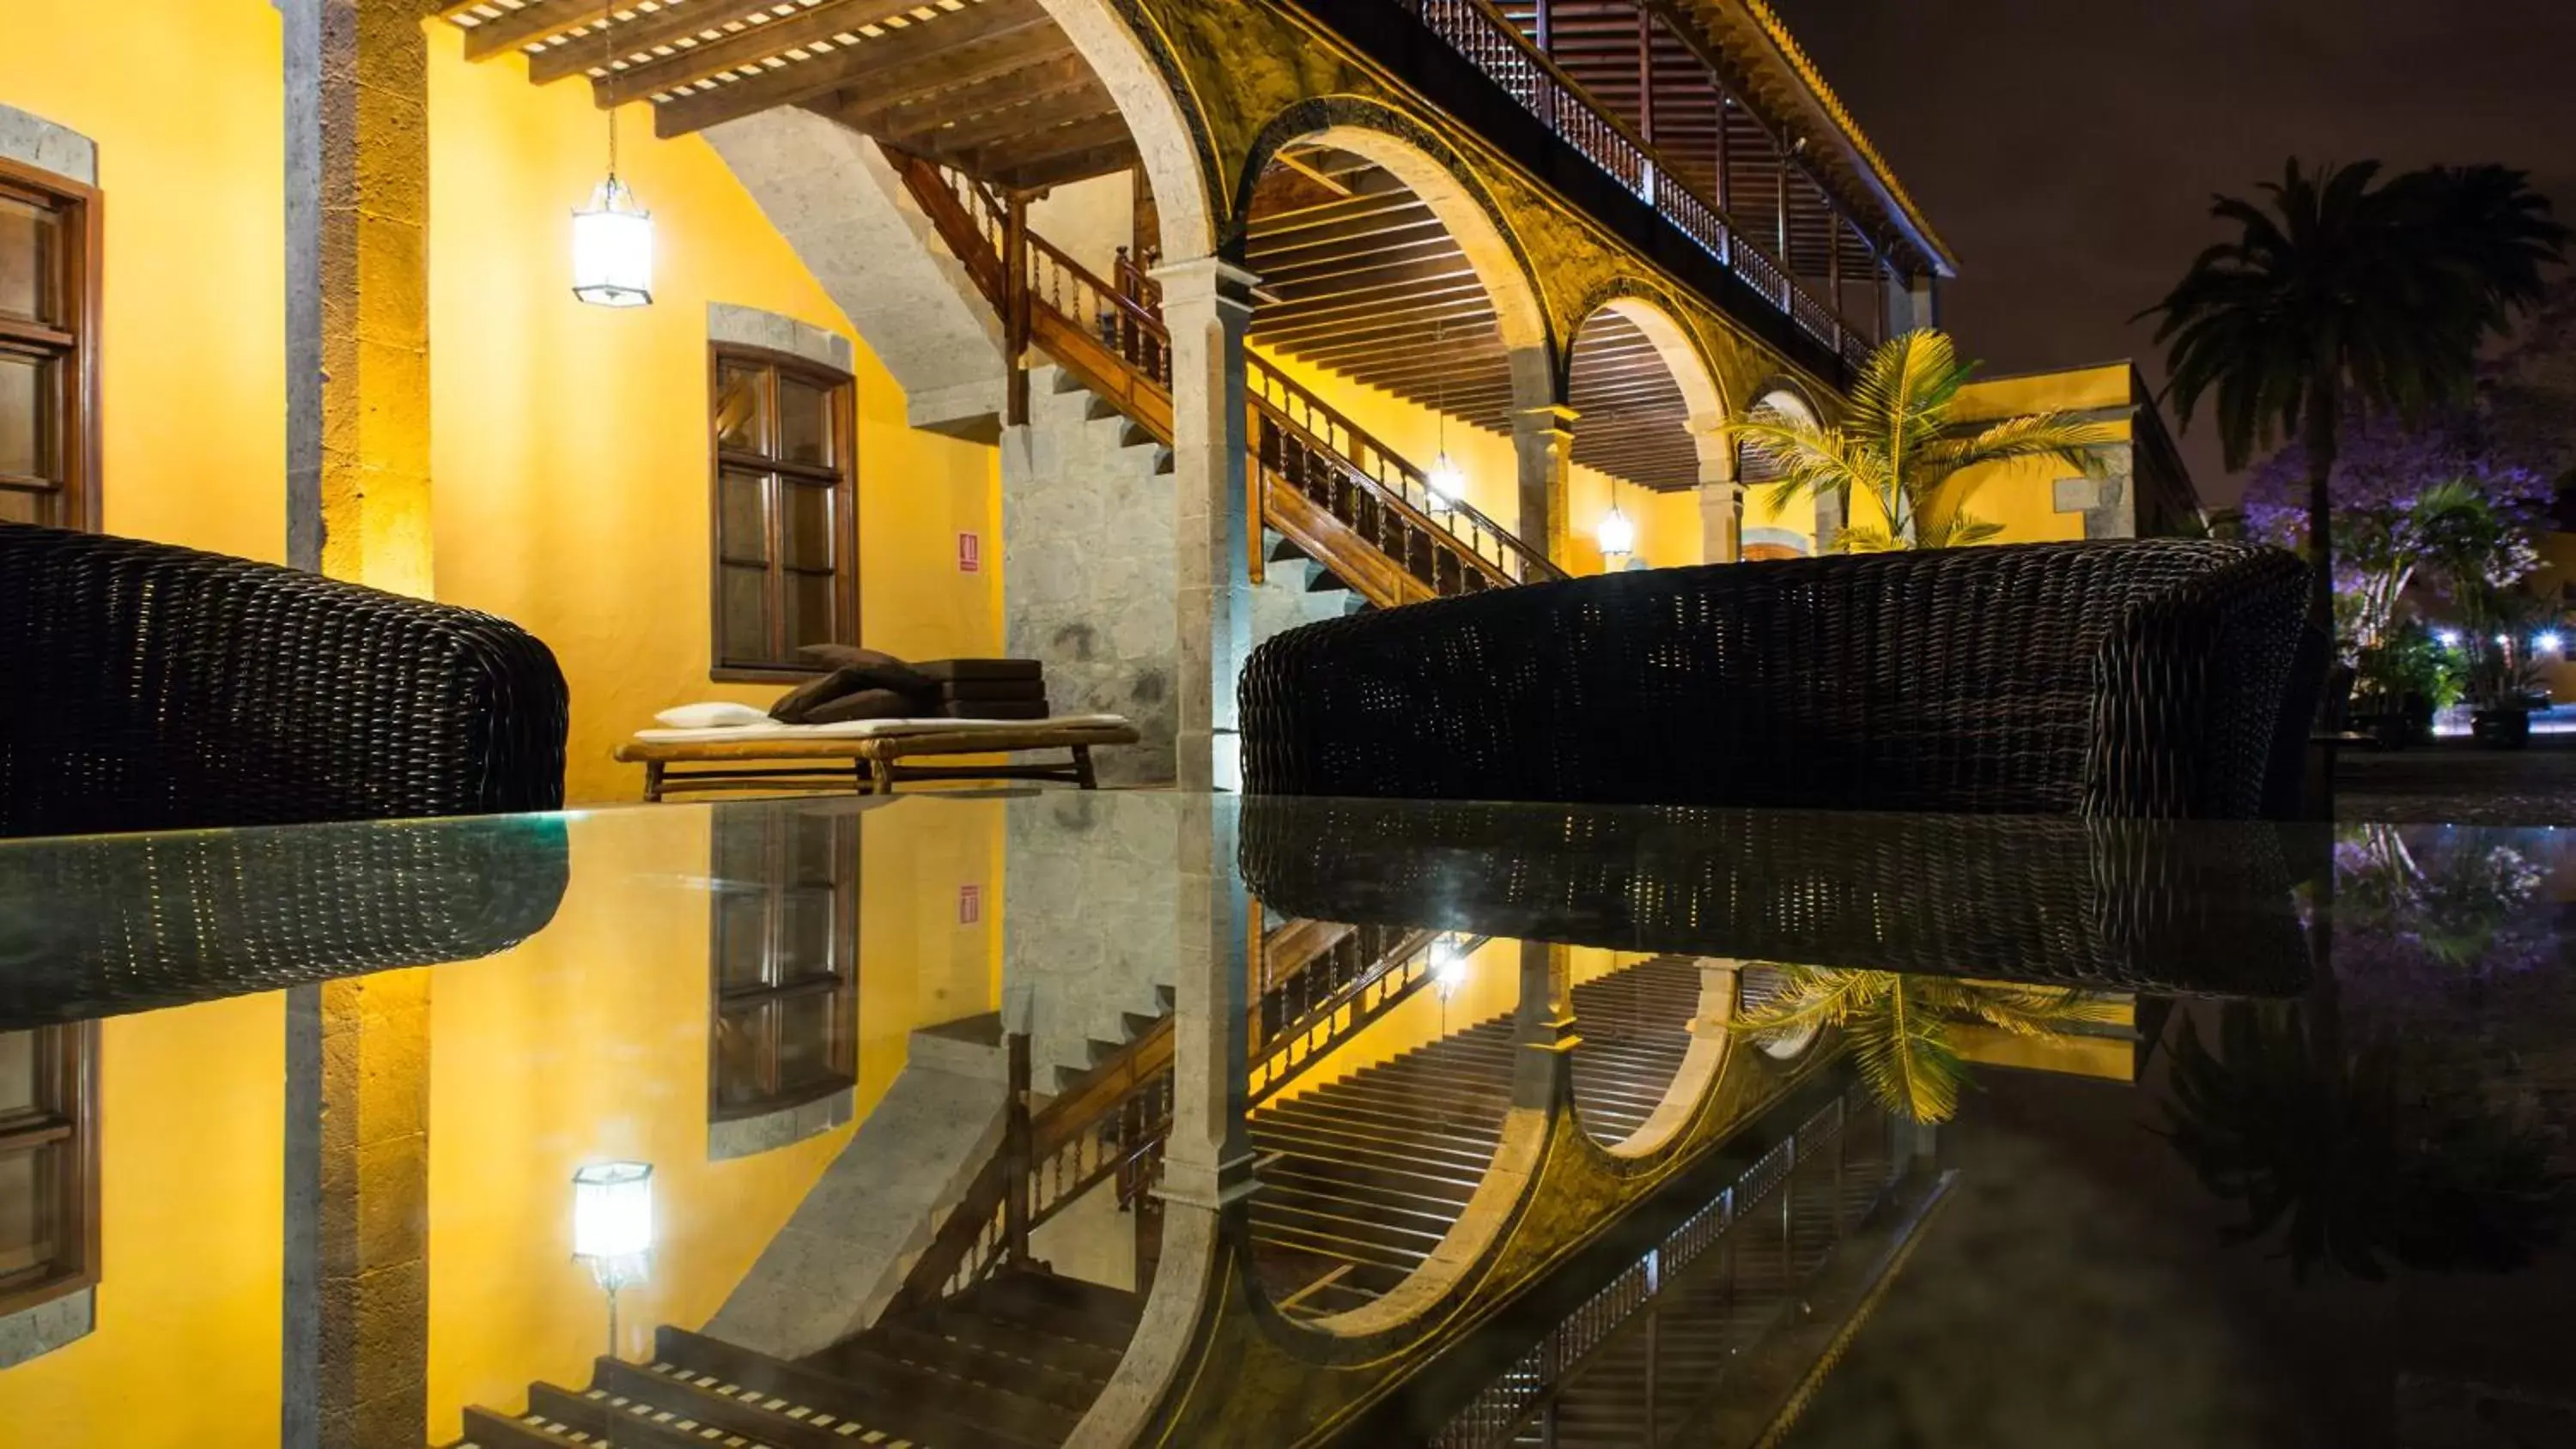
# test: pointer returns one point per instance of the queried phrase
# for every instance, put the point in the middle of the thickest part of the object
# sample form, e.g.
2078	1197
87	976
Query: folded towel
948	669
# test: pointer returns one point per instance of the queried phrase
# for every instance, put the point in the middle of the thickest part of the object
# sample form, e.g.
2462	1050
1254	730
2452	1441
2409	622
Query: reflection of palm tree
2312	1139
1899	1025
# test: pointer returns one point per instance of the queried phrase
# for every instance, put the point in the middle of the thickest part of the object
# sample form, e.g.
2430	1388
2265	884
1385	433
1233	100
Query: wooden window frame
68	1115
777	851
83	251
842	476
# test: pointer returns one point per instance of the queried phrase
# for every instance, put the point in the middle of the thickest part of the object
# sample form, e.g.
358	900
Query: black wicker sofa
149	687
2153	678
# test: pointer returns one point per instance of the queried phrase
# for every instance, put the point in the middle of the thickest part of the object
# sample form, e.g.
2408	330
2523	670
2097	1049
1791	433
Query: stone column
356	1307
1544	439
357	293
1544	1026
1912	303
1207	303
1721	498
1207	1160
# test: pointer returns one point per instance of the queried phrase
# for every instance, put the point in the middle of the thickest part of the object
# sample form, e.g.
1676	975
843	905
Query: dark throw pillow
866	704
882	670
797	705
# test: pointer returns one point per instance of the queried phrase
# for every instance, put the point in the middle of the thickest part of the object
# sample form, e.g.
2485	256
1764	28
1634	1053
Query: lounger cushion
866	704
710	716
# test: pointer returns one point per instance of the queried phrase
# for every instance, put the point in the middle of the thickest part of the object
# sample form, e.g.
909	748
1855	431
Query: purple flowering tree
2443	505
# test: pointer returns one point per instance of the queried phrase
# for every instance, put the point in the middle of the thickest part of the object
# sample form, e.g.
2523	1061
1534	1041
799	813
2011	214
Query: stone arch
1434	171
1135	63
1657	315
1812	529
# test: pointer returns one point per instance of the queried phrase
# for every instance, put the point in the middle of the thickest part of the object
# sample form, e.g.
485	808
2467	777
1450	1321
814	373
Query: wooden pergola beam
1081	101
896	123
676	21
954	42
749	46
533	21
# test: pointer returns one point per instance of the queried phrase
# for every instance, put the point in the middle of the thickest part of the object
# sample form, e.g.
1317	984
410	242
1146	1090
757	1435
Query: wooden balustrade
1112	1124
1351	503
1489	41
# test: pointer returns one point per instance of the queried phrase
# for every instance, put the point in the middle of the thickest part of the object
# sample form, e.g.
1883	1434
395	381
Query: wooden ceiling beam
1464	285
753	43
1026	149
1069	167
1298	278
1462	317
1018	52
957	105
640	34
997	34
533	21
1358	238
1086	100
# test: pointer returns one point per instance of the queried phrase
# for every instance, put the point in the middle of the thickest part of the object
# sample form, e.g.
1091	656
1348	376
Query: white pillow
711	716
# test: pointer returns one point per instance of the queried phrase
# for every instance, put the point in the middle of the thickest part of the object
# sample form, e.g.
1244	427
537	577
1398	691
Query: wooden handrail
1500	28
971	236
1136	1071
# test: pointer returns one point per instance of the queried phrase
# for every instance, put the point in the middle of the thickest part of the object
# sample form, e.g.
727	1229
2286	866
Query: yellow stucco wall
185	101
2021	496
191	1234
569	452
590	1043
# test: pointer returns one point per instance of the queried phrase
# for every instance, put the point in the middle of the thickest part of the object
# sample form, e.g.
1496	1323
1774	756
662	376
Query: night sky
2066	149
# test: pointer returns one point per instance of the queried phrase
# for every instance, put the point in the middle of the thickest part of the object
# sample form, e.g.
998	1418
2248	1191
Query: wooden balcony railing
1350	502
1494	45
1114	1122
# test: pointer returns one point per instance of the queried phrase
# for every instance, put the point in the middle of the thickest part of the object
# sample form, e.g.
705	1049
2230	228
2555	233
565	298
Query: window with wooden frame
48	1164
786	516
49	265
785	949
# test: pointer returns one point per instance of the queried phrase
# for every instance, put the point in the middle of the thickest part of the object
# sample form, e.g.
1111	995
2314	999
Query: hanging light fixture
612	238
1447	481
612	1228
1618	536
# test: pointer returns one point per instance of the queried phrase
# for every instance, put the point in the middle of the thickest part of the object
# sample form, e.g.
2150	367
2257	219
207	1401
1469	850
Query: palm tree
2341	290
1900	445
1899	1025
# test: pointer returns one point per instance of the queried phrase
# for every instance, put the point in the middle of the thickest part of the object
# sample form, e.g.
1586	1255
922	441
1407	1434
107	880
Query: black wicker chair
2113	679
147	687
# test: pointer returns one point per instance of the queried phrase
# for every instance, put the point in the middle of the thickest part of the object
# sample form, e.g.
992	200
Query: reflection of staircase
1643	1368
1362	1177
1016	1361
1328	492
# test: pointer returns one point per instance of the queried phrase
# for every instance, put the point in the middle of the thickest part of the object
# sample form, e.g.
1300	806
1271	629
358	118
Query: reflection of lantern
2548	643
1618	536
612	247
1448	481
612	1228
1448	969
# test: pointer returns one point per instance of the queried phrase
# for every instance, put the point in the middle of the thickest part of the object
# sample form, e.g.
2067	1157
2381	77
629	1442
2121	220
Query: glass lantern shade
612	249
612	1220
1616	533
1447	480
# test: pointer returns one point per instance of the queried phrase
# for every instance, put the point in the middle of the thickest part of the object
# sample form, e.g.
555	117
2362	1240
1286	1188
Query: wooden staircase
1323	489
1012	1364
1362	1177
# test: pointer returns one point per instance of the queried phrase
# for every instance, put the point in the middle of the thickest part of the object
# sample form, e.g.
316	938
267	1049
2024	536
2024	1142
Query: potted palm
2503	675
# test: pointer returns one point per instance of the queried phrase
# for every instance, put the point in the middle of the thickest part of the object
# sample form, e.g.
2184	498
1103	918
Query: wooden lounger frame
864	763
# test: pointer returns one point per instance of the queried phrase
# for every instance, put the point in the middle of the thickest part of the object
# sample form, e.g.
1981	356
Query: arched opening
1394	327
1382	1084
1775	528
1644	403
1650	1037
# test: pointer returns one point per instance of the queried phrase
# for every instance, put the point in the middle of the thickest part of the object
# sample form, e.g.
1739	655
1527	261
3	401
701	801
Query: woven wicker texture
2144	679
99	925
2178	906
151	687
